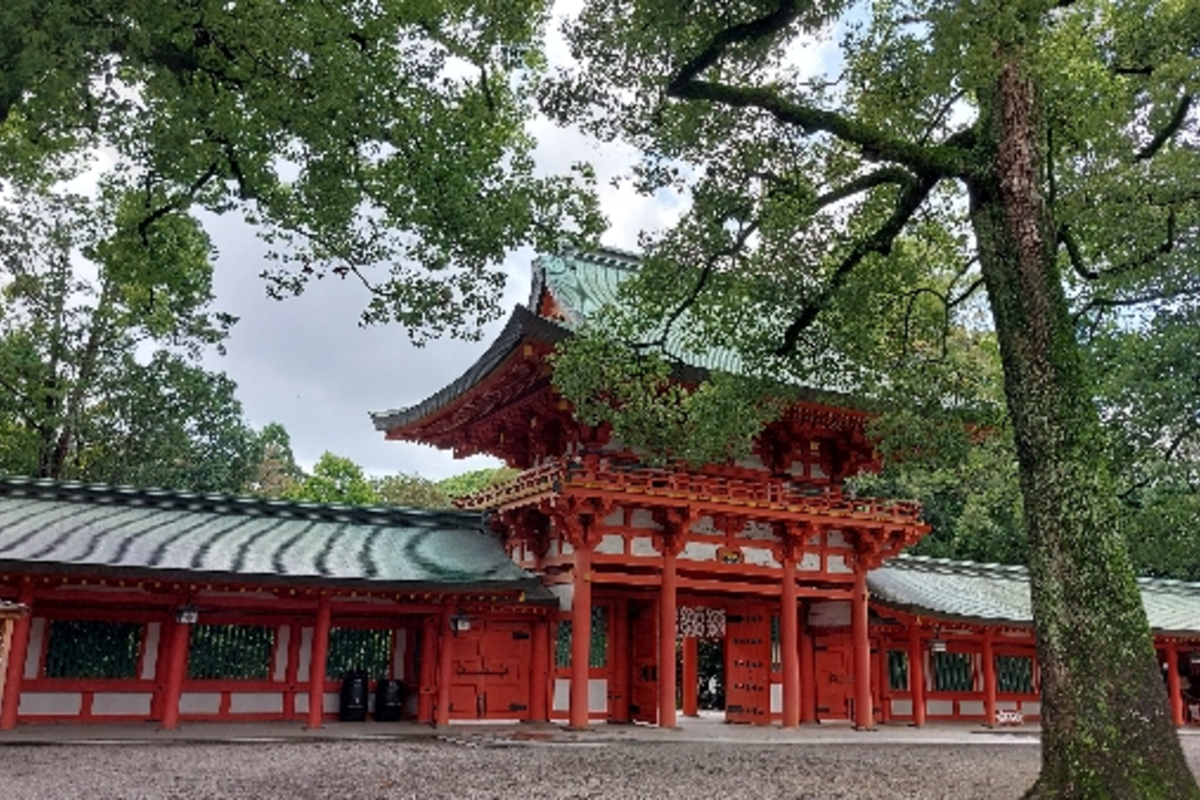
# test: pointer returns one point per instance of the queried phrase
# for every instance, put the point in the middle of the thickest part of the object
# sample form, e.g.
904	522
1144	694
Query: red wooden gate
835	678
748	664
491	670
643	662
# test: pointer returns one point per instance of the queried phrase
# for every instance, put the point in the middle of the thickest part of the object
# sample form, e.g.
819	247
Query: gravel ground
475	770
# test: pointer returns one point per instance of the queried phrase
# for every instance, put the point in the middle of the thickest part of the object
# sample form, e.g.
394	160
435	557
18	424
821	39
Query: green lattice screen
230	652
952	672
598	649
897	665
92	649
364	649
1014	674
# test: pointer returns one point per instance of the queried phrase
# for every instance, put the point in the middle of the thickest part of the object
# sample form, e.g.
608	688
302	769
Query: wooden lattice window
93	649
597	650
952	672
1014	674
231	652
897	666
366	649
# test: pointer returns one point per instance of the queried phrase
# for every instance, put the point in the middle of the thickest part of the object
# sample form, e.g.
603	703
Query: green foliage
334	479
101	329
475	481
410	491
276	471
382	141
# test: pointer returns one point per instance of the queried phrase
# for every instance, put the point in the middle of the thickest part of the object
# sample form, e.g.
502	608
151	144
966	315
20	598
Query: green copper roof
585	282
996	593
54	526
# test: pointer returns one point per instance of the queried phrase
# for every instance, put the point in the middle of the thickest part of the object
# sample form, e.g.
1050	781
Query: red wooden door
748	664
835	678
643	662
491	671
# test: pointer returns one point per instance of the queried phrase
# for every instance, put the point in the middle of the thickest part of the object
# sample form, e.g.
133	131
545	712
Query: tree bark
1106	731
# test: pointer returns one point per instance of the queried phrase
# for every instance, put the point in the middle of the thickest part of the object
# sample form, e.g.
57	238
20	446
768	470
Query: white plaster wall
902	707
150	651
33	656
283	637
552	548
565	548
759	531
565	592
700	551
1031	707
256	703
759	557
776	698
642	546
306	641
562	695
837	564
706	527
40	703
971	707
130	703
611	543
199	702
809	562
598	695
939	707
302	703
331	703
642	518
616	517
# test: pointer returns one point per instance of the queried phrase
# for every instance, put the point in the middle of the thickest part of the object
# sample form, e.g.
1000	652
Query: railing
628	476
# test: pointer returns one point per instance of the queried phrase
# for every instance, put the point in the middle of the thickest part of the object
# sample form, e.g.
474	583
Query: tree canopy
1028	169
360	137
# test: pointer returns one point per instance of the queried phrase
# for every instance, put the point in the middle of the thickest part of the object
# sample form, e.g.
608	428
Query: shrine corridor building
590	588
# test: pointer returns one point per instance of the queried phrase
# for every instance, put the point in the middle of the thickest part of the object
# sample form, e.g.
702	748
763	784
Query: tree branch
1170	129
879	177
879	242
944	160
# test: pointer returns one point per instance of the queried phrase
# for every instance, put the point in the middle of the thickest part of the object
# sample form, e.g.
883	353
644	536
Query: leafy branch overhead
381	142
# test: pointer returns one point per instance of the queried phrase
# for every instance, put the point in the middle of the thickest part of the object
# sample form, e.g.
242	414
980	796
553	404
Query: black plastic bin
389	700
353	705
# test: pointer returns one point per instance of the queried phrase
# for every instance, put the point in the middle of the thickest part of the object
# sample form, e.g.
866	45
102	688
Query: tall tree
334	479
363	137
1041	152
101	326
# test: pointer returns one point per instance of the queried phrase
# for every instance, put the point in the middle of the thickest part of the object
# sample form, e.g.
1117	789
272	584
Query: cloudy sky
306	363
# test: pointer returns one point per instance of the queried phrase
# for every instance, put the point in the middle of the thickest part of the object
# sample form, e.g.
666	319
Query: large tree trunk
1106	728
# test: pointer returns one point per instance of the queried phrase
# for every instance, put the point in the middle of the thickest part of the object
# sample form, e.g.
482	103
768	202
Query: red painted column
666	640
316	665
808	678
445	667
863	713
427	679
916	674
619	628
538	674
293	670
789	622
581	637
18	651
691	664
989	681
176	667
1174	690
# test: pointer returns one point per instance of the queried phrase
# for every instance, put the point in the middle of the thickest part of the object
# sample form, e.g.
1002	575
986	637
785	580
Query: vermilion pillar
989	681
666	641
316	666
619	629
581	637
790	623
445	667
863	713
428	669
17	653
1173	685
916	674
539	675
176	671
808	680
691	663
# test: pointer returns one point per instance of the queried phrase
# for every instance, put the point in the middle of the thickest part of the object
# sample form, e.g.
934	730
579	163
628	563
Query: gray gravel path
475	769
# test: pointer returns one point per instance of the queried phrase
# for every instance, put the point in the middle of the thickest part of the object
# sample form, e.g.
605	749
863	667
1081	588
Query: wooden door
491	664
834	677
748	664
643	662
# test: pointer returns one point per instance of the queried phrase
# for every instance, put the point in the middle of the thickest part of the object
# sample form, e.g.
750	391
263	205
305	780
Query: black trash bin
353	705
389	700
